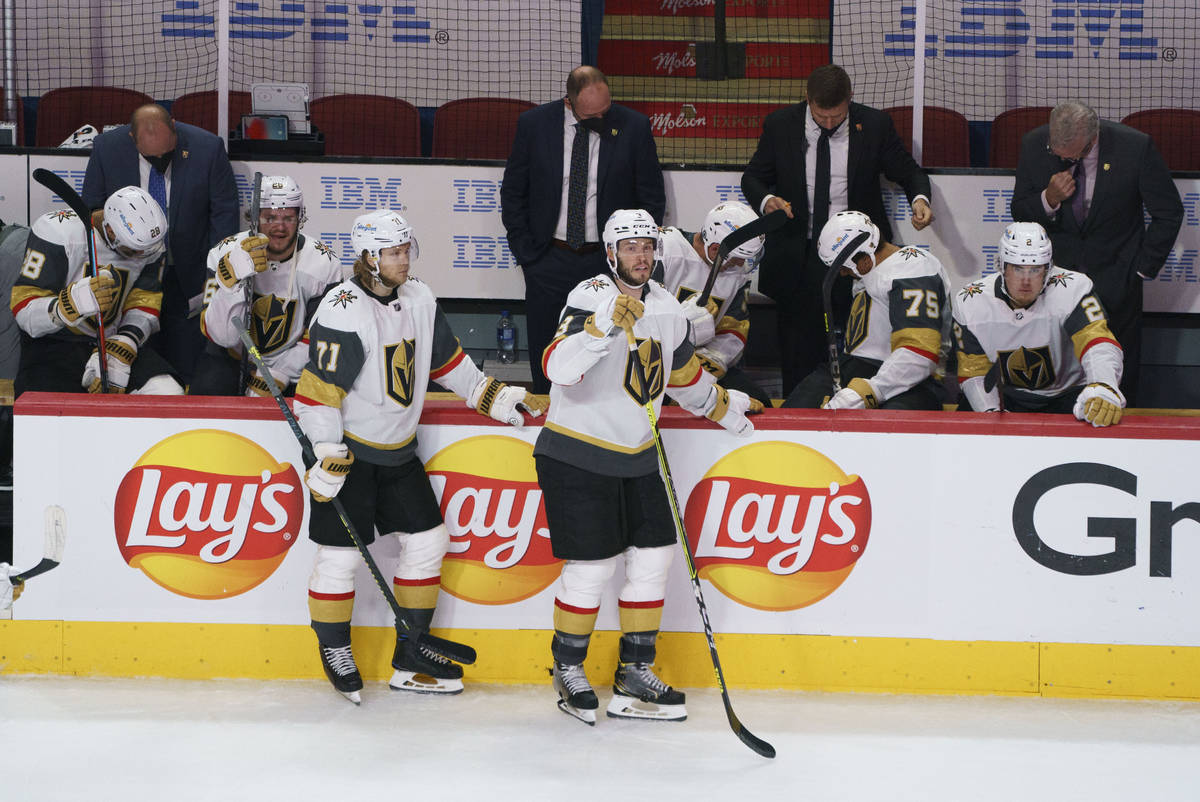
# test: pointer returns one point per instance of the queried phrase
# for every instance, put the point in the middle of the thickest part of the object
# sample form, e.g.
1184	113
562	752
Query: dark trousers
1125	322
800	323
548	281
179	339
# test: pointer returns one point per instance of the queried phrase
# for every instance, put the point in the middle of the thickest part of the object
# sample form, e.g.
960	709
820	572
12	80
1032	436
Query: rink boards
866	551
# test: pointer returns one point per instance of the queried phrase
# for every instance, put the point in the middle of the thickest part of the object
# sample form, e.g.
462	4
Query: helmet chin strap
845	257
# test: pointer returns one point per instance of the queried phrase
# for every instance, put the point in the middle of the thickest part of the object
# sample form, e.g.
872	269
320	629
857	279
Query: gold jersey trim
595	441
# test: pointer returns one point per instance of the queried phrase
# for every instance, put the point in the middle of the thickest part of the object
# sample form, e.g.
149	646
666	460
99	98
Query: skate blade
423	683
588	717
353	696
628	707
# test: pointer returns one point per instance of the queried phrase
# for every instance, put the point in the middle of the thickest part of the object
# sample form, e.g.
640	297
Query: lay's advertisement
201	515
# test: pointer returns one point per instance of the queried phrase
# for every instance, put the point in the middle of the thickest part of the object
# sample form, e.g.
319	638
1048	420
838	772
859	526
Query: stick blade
56	532
756	744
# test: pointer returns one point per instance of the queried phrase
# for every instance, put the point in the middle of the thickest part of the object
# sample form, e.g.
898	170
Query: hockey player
375	343
720	328
288	274
894	333
56	298
617	505
1043	330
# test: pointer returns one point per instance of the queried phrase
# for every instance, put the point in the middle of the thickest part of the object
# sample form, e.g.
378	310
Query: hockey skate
421	671
638	693
575	695
338	662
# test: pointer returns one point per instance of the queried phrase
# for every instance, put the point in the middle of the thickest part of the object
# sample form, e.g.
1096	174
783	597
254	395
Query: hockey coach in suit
189	168
573	163
787	171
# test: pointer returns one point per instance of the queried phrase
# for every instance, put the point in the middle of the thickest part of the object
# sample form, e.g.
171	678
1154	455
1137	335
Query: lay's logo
777	526
208	514
490	499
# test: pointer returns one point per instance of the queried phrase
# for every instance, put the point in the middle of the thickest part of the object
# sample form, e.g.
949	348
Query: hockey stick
458	652
835	367
56	536
735	239
247	288
995	378
755	743
58	186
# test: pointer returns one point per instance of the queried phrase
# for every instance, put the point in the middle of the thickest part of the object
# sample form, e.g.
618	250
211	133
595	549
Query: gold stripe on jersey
574	620
597	442
372	444
23	294
924	341
640	616
731	325
972	365
1083	338
323	392
589	326
687	374
144	299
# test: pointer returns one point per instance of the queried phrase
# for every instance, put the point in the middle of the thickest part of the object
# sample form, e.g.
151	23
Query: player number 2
1092	308
915	297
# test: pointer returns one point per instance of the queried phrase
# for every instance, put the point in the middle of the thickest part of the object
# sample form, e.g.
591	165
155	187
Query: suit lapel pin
858	126
1106	165
184	154
613	131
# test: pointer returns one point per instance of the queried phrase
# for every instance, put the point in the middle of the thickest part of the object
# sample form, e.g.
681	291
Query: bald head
587	93
152	129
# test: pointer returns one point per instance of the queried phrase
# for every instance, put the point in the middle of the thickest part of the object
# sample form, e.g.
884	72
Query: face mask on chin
597	125
161	163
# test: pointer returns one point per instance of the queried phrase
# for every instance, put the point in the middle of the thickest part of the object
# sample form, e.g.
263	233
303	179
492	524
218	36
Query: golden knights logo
322	248
1059	279
342	298
595	284
650	353
272	320
62	214
971	289
400	358
858	323
1027	368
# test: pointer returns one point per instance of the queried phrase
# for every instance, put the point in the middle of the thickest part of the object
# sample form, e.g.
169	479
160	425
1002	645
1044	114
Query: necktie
820	211
157	187
577	189
1080	191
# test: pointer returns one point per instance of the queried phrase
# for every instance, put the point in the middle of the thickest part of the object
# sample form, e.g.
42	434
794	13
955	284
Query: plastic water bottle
506	339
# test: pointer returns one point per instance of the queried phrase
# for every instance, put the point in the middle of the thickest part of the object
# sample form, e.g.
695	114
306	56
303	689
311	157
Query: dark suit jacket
1114	244
203	202
628	176
778	168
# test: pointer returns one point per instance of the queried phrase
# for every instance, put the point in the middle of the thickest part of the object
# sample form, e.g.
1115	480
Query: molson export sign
777	526
492	505
208	514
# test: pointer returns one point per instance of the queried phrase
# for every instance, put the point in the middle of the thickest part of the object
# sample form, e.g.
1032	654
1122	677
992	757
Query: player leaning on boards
1044	330
617	505
56	299
720	327
288	273
375	343
894	332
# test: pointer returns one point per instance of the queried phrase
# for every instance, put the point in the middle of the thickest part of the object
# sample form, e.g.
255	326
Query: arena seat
367	125
200	109
60	112
1176	134
1007	130
476	127
945	142
20	118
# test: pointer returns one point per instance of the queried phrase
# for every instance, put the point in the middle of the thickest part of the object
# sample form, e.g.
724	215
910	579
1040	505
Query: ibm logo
1191	208
895	205
480	195
72	177
329	22
991	30
730	192
368	192
997	206
481	252
1181	266
991	259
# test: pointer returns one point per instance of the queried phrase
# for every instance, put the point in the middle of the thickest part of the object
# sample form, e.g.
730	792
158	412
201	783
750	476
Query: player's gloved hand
703	319
731	408
1099	405
257	386
9	592
241	263
122	350
858	394
627	311
326	477
711	361
499	401
616	311
86	297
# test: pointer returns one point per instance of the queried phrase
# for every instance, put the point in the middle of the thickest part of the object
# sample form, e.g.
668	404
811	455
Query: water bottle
506	340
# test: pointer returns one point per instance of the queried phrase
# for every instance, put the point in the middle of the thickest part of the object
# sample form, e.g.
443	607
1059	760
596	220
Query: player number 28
31	268
915	298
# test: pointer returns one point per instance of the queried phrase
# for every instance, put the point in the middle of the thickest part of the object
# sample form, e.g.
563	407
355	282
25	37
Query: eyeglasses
1071	161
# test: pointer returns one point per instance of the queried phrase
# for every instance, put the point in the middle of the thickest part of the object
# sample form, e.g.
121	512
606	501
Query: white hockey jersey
684	273
1055	345
56	255
897	318
596	419
285	296
370	362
